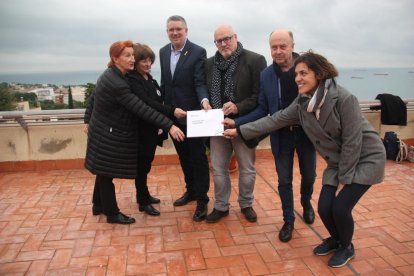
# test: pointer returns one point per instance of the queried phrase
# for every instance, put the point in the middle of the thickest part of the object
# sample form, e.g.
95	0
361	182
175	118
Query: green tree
6	98
90	89
30	97
70	98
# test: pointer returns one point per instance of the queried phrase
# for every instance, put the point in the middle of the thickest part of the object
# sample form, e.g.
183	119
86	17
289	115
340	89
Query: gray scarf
318	98
223	70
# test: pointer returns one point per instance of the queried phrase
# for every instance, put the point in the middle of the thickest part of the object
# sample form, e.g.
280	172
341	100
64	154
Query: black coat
112	135
150	92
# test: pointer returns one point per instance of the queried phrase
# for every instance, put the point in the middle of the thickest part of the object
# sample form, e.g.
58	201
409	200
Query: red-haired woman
112	131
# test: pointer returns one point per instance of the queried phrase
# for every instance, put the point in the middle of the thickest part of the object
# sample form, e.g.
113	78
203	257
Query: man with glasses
183	81
232	75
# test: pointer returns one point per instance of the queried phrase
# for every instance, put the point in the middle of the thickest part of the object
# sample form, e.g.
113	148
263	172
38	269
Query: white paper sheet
201	123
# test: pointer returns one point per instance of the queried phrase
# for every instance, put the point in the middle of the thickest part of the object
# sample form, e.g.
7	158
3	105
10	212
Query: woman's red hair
116	50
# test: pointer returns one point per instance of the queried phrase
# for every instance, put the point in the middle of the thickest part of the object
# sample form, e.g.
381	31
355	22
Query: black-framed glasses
226	40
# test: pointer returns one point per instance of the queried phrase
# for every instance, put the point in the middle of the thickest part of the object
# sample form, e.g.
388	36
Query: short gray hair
177	18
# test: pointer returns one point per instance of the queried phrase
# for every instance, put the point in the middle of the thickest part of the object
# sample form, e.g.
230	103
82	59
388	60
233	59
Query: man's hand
179	113
206	105
230	133
176	133
229	123
230	108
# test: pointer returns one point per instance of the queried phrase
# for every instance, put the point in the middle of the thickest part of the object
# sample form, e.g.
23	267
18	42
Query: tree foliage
70	98
30	97
90	89
6	99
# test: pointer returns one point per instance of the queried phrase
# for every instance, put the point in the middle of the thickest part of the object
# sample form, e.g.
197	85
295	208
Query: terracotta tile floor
46	228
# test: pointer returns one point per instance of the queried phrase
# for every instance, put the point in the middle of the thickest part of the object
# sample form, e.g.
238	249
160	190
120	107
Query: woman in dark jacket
112	132
149	135
352	149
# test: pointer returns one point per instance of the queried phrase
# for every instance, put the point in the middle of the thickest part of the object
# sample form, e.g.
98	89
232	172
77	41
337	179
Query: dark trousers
104	195
194	163
143	169
336	210
291	139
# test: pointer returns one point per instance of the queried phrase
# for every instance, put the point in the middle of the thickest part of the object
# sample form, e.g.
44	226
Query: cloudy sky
57	35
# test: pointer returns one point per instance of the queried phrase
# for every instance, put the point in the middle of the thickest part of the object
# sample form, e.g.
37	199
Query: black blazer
150	92
246	79
188	87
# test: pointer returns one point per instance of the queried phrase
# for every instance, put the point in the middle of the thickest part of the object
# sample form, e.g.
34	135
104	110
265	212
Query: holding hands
230	131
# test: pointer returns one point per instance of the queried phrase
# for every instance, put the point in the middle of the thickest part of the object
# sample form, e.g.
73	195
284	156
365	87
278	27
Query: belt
293	127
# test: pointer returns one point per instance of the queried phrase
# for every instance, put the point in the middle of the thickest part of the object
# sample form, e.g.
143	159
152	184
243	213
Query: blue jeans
291	139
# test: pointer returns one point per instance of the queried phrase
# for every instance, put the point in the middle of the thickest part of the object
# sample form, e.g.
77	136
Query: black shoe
249	213
216	215
149	209
120	219
154	200
308	213
96	210
285	233
200	212
327	246
342	256
184	199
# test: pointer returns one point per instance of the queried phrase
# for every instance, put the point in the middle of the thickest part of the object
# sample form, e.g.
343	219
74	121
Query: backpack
392	145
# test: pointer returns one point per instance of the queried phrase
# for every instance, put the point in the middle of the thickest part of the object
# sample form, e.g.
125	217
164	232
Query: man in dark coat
183	81
233	81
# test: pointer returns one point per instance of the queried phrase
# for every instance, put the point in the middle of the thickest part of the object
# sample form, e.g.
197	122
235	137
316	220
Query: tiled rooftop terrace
47	228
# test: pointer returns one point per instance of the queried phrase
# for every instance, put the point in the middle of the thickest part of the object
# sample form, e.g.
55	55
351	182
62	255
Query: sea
365	83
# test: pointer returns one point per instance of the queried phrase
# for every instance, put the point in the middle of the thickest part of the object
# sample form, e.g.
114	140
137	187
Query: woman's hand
179	113
230	133
229	123
176	133
85	128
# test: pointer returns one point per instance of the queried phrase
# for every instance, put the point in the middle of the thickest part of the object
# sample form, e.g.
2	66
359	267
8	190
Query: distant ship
380	74
354	77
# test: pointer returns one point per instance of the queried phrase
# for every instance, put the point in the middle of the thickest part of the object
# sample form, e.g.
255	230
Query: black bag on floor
392	145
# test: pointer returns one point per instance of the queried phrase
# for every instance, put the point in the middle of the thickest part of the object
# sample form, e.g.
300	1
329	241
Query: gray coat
351	147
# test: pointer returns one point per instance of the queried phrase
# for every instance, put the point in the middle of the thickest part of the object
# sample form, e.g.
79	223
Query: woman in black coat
112	131
149	135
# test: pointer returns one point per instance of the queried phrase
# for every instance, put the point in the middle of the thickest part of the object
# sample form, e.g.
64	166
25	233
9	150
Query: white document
201	123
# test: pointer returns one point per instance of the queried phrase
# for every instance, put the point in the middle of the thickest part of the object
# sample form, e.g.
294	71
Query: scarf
223	70
288	87
318	98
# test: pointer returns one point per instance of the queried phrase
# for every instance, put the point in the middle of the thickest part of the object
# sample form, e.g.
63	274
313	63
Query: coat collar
329	104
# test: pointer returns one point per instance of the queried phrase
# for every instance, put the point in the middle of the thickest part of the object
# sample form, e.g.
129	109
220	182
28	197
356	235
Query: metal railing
75	116
42	117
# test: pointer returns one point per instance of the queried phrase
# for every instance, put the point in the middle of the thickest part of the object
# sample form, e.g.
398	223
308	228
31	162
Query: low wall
53	146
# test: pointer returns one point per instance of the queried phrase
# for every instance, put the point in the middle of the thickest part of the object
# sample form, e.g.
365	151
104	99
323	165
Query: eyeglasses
226	40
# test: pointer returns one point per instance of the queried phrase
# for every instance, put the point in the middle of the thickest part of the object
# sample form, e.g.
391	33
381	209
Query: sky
75	35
